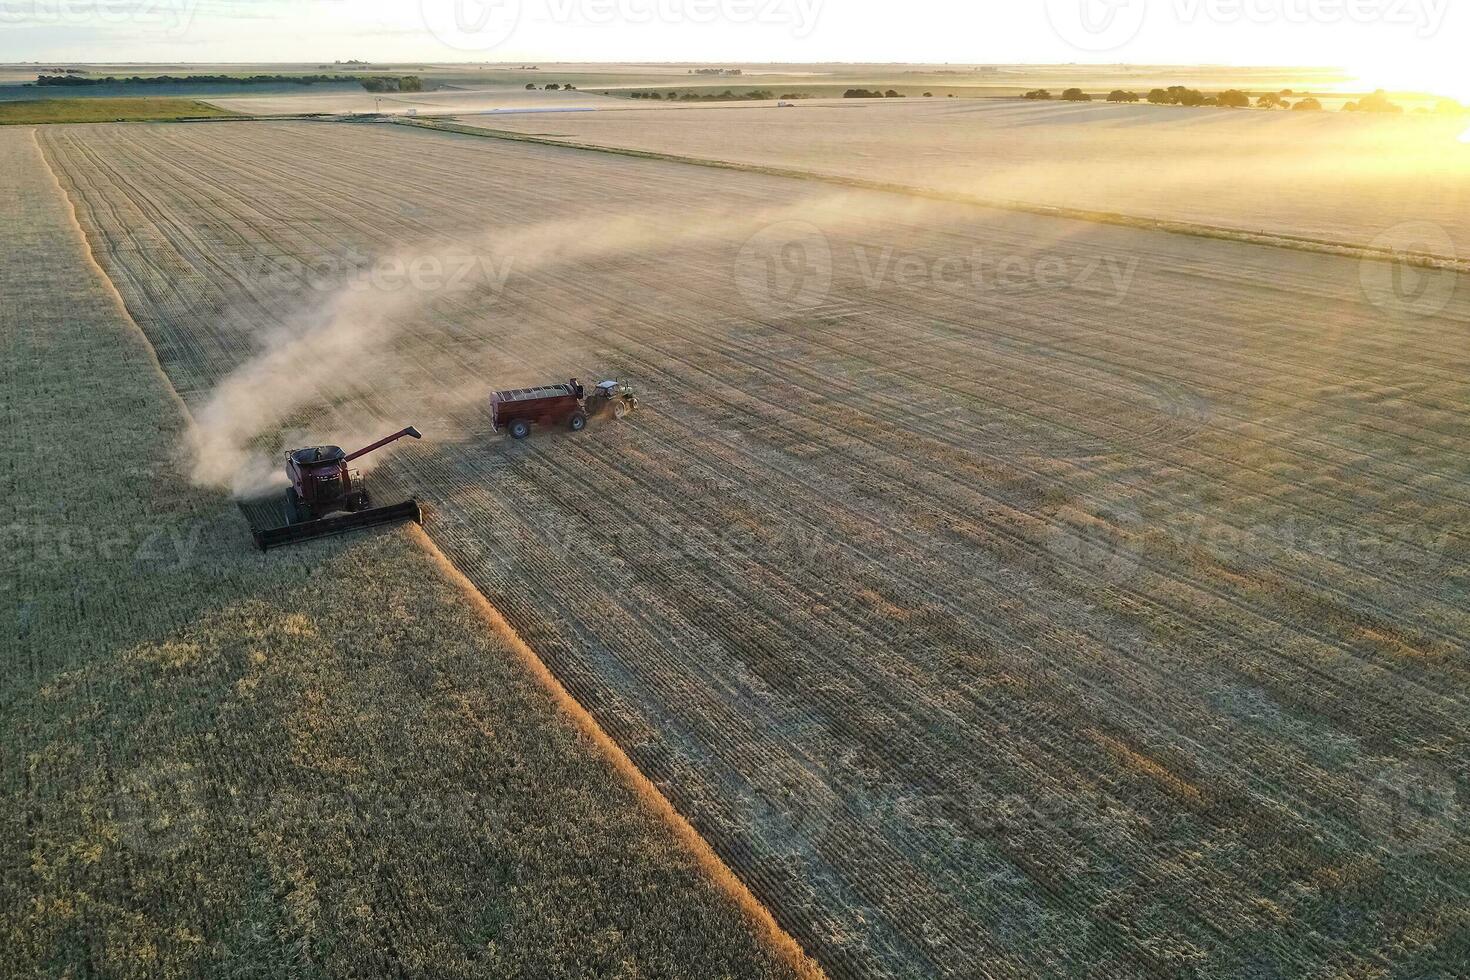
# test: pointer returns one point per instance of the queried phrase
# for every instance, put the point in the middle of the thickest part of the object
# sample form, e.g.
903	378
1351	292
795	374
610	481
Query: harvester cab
322	484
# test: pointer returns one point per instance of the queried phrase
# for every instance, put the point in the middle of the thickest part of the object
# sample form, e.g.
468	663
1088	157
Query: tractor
566	404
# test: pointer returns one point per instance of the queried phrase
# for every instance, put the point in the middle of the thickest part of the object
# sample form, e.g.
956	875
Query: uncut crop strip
960	622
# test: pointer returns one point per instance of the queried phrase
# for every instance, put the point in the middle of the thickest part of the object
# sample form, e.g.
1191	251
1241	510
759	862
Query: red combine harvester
322	483
568	404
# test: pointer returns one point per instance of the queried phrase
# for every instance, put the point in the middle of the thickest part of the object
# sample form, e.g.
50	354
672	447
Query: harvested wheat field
996	594
321	763
1326	175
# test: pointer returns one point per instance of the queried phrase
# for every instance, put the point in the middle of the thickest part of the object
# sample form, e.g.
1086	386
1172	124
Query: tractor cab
614	389
615	397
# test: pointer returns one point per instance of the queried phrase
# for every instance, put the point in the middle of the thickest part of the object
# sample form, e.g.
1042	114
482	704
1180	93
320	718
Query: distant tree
928	95
1350	107
1271	101
1118	95
1158	97
1378	102
1234	99
1211	101
530	86
553	87
1075	95
891	94
861	93
1186	96
654	95
1307	105
569	87
1039	94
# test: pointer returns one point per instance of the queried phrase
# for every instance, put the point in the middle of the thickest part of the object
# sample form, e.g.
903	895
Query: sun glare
1429	78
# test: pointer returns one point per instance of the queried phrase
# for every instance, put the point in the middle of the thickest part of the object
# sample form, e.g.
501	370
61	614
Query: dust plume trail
306	359
350	330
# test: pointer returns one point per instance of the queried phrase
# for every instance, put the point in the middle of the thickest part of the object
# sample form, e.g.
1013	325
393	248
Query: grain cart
517	409
322	483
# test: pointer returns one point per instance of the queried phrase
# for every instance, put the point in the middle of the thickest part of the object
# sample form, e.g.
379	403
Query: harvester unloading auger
323	484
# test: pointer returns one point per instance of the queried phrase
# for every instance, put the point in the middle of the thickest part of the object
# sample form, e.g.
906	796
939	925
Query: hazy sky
1405	42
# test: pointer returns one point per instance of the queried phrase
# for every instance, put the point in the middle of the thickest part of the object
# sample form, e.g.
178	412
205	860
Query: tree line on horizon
1236	99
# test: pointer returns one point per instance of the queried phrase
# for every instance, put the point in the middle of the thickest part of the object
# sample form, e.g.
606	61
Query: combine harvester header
322	484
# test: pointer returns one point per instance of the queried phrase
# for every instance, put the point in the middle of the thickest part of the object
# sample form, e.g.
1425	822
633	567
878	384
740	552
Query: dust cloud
309	360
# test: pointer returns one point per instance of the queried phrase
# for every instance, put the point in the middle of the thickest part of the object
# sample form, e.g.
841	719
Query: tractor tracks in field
756	914
938	641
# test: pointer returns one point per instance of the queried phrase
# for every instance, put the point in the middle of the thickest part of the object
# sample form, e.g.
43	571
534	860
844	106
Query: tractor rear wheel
621	408
519	429
577	422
